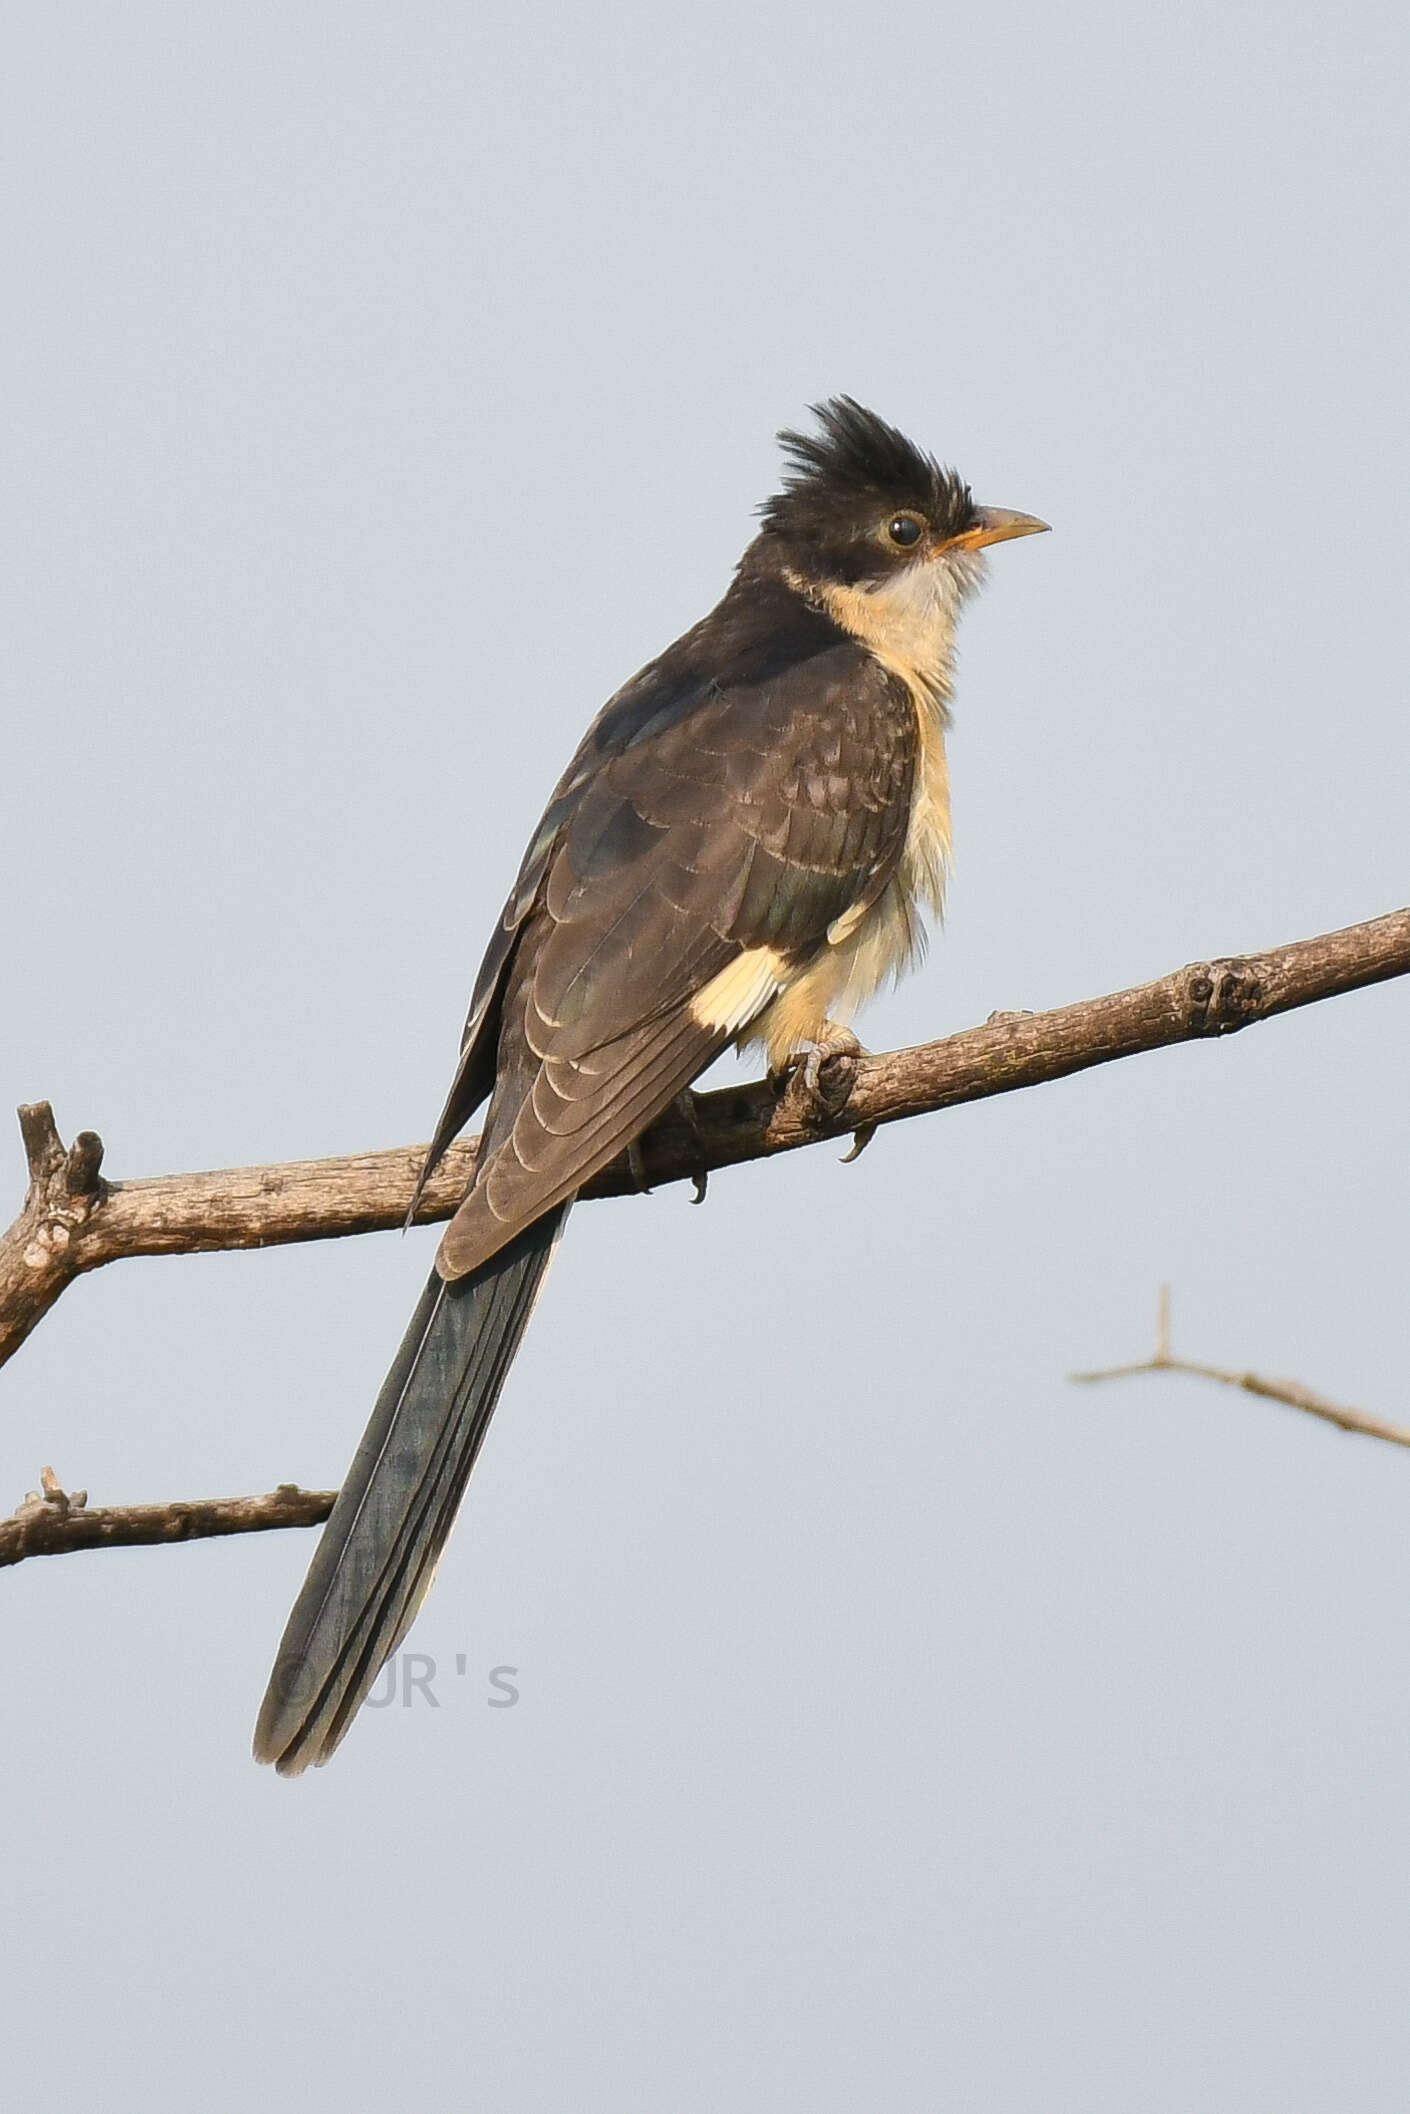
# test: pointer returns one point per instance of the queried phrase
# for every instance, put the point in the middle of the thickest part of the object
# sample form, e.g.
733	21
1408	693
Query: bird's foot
687	1110
805	1064
687	1107
821	1071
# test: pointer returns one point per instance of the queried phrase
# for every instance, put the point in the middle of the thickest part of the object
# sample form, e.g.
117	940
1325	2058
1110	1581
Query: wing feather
726	809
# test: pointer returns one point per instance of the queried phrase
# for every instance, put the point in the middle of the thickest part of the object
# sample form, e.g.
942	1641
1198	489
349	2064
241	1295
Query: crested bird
742	850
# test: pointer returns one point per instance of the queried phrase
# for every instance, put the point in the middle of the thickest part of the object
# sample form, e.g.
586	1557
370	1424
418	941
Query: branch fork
64	1187
1290	1392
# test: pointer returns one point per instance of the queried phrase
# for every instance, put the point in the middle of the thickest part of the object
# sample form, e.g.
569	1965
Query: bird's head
874	528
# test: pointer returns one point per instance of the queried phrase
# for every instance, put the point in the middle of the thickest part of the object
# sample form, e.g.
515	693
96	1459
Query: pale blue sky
898	1726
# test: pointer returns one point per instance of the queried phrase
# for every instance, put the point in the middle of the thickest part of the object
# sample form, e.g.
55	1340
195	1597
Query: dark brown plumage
740	793
738	846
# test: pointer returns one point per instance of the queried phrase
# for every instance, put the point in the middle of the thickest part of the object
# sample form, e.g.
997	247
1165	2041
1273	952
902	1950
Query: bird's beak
996	524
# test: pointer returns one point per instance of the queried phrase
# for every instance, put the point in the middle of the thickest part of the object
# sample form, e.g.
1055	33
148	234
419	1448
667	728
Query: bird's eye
905	530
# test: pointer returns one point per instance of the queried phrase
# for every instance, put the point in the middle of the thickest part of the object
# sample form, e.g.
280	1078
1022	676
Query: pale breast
909	627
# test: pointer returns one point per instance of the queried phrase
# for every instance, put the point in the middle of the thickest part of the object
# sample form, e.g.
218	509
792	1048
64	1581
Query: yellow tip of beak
997	524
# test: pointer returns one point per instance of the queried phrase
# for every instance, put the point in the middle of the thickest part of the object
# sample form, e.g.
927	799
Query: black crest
853	465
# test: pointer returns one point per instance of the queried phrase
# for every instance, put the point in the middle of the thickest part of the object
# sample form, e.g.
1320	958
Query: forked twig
1291	1392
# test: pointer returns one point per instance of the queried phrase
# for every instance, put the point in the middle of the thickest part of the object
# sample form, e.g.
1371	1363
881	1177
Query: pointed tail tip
284	1726
291	1765
289	1756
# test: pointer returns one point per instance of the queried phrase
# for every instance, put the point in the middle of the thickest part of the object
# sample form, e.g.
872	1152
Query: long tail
378	1553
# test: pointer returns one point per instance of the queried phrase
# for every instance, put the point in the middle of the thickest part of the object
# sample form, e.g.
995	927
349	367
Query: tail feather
385	1536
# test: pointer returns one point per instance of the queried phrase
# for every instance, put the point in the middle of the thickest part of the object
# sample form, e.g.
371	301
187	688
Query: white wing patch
741	990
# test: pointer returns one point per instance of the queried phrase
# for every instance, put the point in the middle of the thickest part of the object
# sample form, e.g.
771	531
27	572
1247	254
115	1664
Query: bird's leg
636	1163
685	1107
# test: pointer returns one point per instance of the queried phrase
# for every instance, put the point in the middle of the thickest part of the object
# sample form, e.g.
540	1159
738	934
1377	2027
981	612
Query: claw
861	1139
687	1107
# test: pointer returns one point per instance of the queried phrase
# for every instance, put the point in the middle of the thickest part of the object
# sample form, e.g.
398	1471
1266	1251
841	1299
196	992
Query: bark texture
74	1221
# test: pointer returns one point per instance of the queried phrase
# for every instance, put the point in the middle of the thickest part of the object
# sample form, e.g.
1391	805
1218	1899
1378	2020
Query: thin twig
53	1521
73	1221
1291	1392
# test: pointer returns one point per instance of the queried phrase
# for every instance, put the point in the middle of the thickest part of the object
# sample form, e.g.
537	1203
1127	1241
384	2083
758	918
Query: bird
742	851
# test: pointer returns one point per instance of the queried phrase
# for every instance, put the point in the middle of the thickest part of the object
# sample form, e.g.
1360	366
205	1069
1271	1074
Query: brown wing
749	818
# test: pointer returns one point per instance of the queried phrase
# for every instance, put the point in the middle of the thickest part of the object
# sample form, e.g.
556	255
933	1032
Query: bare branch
72	1221
1291	1392
42	1147
53	1522
38	1256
